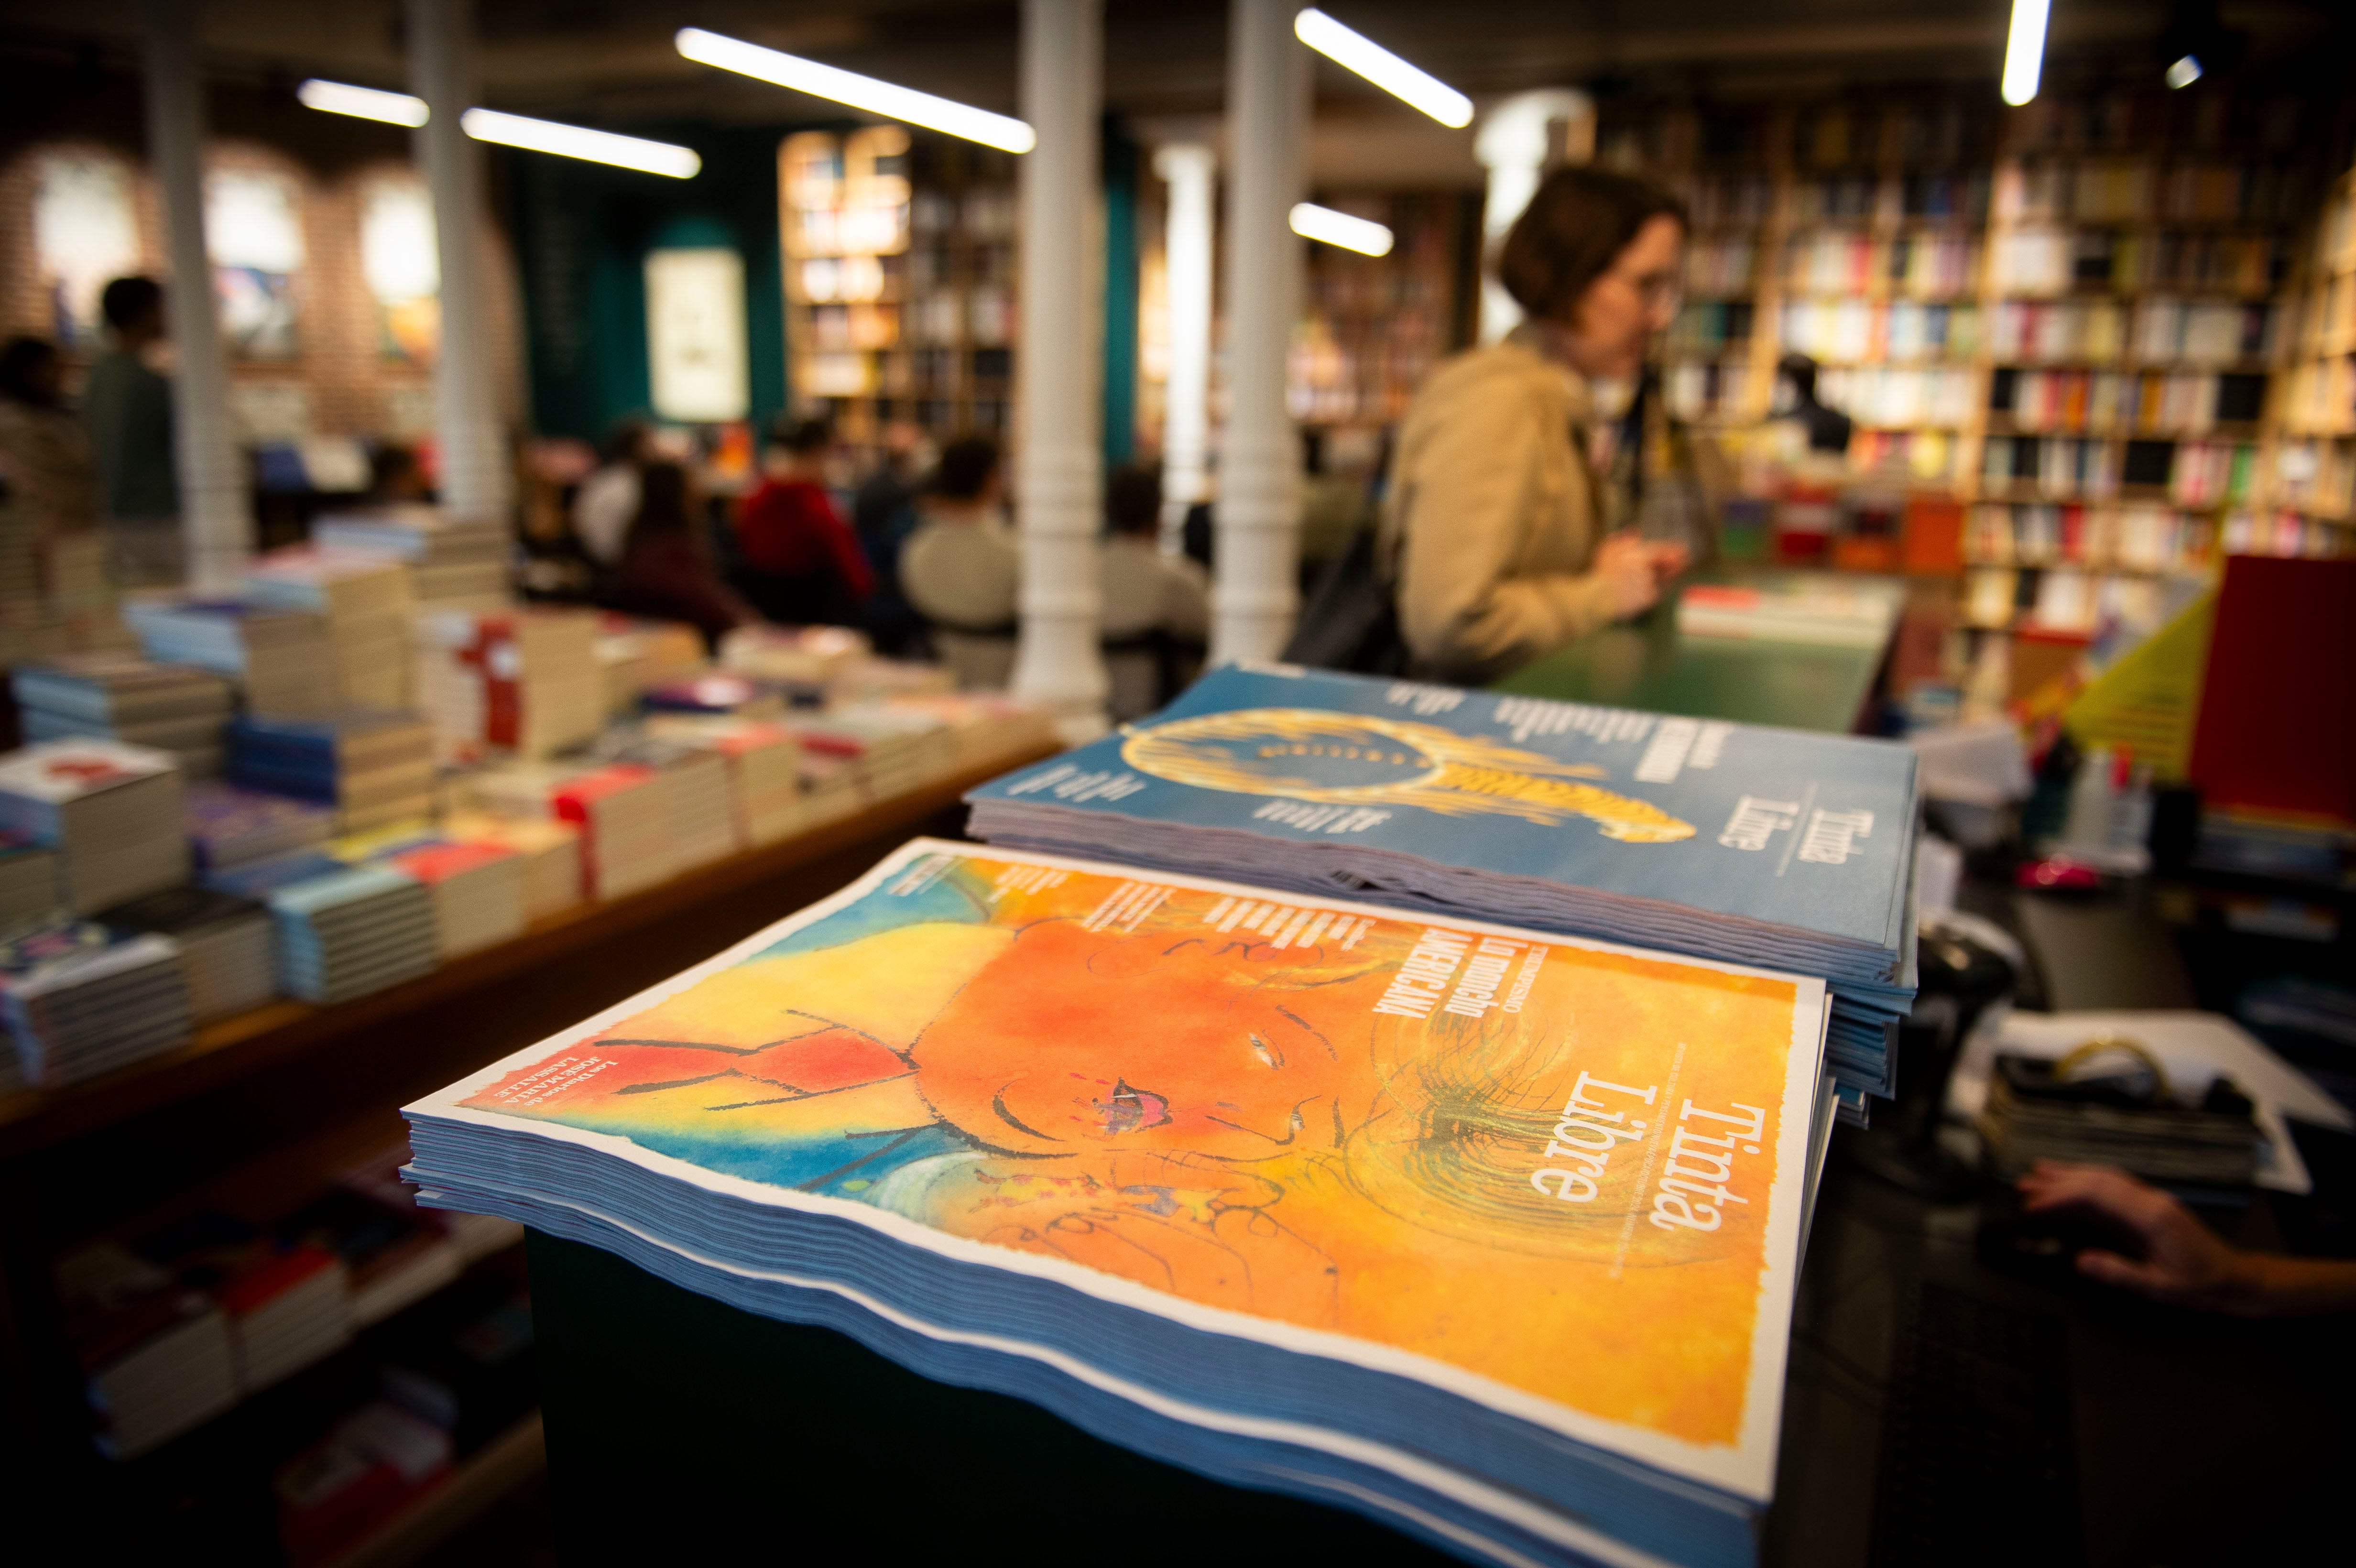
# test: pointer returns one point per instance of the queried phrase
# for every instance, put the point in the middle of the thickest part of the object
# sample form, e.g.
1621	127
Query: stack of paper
225	942
281	659
373	767
549	852
1488	1233
525	685
111	811
1720	840
79	1000
229	826
764	769
365	601
29	880
343	930
177	708
804	661
898	750
700	789
453	564
155	1355
478	892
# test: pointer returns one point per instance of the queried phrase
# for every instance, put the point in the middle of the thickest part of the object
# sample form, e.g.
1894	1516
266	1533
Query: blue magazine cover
1806	832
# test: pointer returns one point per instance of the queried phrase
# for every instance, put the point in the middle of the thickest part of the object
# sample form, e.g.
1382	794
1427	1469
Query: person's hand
1669	560
2185	1264
1625	563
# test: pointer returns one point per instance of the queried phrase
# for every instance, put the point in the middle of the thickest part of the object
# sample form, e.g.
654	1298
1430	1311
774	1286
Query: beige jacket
1491	515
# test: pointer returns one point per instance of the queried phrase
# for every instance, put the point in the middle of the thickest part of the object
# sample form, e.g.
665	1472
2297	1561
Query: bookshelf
1374	325
900	281
2310	480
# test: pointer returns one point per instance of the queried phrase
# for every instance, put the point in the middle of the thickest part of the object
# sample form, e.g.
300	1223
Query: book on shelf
1327	1197
154	1354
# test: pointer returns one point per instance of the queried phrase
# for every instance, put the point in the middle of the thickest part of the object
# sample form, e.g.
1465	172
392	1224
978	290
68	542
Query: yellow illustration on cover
1550	1163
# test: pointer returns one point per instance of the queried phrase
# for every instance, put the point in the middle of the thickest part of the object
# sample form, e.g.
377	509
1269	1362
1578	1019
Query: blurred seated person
797	561
396	477
2184	1263
1156	607
666	571
1829	430
961	567
44	447
608	499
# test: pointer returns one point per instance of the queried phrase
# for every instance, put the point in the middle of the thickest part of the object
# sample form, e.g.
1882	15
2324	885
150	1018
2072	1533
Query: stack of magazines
1488	1232
79	1000
177	708
1771	846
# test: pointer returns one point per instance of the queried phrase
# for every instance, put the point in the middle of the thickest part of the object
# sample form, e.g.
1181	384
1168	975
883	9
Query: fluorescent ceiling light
859	91
2185	71
2024	51
580	142
1355	51
1362	235
364	102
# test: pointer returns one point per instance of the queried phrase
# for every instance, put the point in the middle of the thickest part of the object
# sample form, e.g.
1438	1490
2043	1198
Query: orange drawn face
1080	1041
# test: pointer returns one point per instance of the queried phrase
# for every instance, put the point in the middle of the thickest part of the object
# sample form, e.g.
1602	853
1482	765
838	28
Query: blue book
1775	846
258	880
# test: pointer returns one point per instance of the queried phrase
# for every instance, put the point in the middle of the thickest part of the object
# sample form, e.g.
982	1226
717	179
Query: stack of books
365	601
699	788
833	787
477	890
372	767
897	749
112	812
625	819
1721	840
79	1000
343	930
391	1258
29	880
806	662
764	767
549	852
633	655
230	826
1823	612
281	659
452	565
1310	1194
288	1303
177	708
336	1494
154	1354
524	684
225	942
987	727
718	694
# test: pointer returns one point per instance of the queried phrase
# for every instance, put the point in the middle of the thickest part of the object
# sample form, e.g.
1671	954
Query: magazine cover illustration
1564	1169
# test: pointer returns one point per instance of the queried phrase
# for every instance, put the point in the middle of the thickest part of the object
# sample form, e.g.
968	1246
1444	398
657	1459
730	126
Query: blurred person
961	567
1829	430
666	571
44	447
894	482
396	477
1156	607
797	561
1336	502
1492	513
128	405
608	501
2183	1263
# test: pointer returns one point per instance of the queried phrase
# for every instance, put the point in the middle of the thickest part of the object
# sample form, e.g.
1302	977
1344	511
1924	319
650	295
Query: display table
1651	665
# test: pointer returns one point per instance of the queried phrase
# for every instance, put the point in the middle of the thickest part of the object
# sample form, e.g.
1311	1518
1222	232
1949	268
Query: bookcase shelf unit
2312	478
1374	325
900	265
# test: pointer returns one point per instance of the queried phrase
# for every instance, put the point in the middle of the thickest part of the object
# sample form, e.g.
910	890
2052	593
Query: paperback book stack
717	695
154	1354
177	708
365	601
1771	846
29	880
523	685
633	655
896	751
282	660
112	812
764	768
452	565
985	726
833	787
622	815
1308	1194
806	662
371	767
287	1304
699	788
231	827
477	890
343	930
225	942
550	853
79	1000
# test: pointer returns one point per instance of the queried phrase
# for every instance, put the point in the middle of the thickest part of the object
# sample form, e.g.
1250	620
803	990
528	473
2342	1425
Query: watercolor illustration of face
1074	1041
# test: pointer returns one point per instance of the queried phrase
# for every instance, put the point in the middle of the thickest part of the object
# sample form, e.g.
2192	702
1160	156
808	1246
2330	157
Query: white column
1513	144
1255	599
216	510
476	478
1059	472
1190	169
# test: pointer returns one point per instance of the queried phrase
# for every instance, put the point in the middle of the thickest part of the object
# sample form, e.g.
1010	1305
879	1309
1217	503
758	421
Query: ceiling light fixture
363	102
2185	71
1354	51
2024	51
865	92
1364	236
580	142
